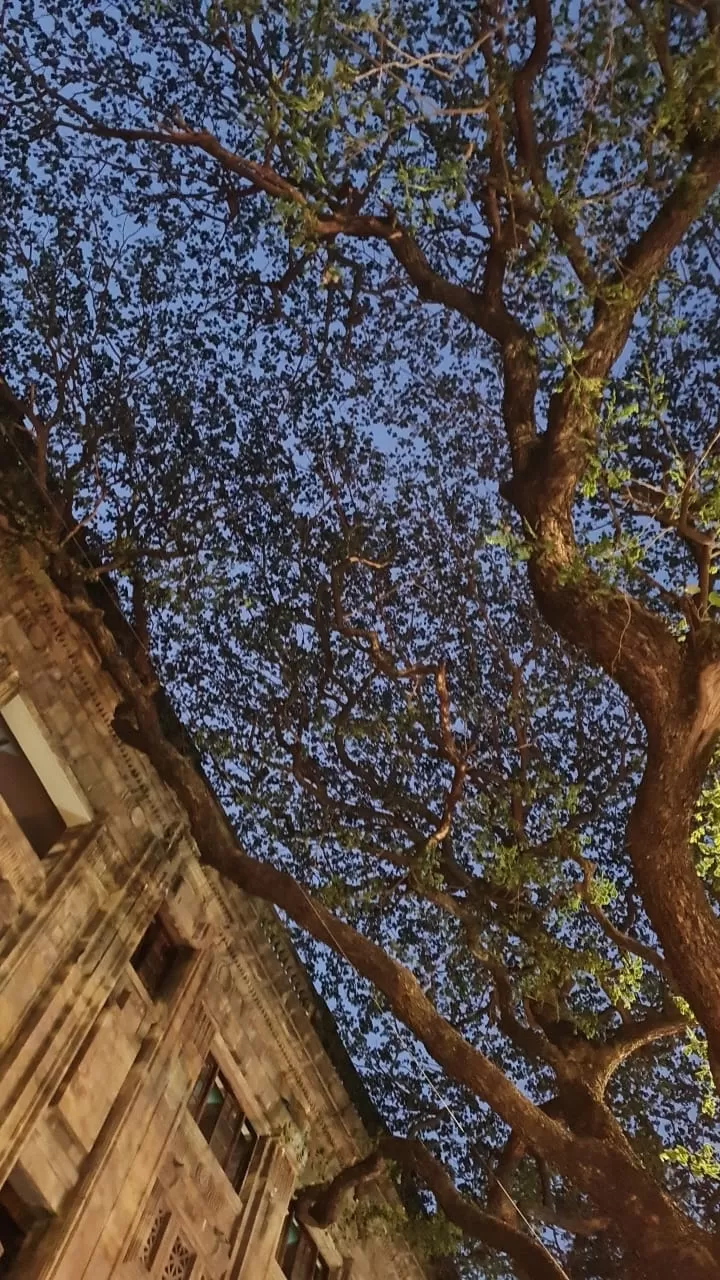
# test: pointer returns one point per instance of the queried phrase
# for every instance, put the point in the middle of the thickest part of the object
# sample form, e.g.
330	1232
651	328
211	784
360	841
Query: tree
371	353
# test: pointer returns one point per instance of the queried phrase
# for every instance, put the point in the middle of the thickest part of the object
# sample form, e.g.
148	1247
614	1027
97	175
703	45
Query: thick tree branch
598	1167
623	941
529	152
323	1203
526	1252
431	286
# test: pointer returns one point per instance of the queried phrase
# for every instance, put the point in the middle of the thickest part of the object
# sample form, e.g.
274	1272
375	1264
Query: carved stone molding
271	1186
9	677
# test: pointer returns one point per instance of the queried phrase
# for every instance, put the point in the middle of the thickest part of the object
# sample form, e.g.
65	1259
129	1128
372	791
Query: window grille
180	1261
155	1232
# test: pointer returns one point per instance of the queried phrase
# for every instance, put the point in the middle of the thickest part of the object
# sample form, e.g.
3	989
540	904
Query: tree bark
654	1232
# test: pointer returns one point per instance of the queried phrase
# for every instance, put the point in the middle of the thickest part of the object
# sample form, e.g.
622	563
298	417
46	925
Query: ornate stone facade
163	1087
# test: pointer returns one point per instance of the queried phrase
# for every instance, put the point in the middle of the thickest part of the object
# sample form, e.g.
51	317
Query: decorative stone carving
200	1190
207	1187
9	903
180	1261
155	1231
9	678
224	976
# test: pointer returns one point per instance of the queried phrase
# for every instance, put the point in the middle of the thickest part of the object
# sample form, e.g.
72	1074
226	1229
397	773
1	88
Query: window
222	1123
11	1236
36	789
298	1254
25	795
156	959
16	1221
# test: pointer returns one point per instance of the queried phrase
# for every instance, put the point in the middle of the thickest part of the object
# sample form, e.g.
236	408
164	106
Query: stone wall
100	1157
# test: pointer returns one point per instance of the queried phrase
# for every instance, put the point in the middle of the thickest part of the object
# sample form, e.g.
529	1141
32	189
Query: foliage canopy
371	352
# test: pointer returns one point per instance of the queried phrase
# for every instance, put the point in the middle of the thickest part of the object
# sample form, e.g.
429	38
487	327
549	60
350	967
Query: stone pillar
273	1179
50	1257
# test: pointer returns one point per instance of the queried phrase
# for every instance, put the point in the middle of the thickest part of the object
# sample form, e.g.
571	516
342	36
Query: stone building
163	1085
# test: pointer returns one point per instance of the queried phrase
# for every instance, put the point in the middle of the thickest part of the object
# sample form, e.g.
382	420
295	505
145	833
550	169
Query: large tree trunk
657	1237
658	837
675	689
